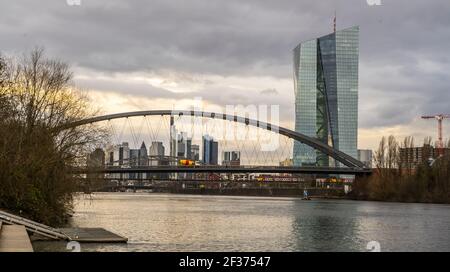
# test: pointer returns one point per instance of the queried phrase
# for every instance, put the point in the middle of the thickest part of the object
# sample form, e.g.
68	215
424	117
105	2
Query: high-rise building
210	150
134	162
188	148
214	155
180	146
365	156
326	95
411	157
231	158
118	155
138	157
143	155
156	149
195	152
157	158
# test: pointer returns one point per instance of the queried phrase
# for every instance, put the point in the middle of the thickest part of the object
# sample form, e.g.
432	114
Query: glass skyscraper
210	150
326	95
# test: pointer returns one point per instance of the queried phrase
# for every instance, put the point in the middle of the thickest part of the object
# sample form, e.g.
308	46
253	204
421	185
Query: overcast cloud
240	52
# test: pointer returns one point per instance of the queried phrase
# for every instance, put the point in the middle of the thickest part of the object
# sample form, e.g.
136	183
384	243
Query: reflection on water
165	222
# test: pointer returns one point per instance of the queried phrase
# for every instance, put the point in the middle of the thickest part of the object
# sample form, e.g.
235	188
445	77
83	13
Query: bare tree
379	156
392	154
4	101
406	165
36	156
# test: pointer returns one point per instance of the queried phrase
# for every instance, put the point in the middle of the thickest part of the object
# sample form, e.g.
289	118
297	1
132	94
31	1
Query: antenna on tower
334	22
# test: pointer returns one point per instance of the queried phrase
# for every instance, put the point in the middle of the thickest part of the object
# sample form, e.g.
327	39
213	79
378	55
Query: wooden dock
92	235
15	230
14	238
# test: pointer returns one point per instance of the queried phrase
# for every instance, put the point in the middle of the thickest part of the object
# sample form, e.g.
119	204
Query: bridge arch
339	156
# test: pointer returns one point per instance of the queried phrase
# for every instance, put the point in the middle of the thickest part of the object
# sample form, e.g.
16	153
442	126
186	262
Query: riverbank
390	200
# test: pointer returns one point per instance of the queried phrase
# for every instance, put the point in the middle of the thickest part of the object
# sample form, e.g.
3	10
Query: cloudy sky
135	55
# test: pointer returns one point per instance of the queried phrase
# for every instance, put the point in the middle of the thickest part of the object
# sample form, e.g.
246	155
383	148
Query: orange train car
187	162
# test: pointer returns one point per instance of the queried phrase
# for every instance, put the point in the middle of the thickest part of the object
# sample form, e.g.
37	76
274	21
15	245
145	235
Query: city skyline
122	154
400	58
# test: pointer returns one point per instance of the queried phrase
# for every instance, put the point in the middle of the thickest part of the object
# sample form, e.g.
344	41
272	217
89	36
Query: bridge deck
222	169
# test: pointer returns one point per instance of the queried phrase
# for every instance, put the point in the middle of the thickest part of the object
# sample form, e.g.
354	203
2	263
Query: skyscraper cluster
181	148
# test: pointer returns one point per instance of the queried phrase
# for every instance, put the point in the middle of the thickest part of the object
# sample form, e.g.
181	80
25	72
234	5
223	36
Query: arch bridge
352	165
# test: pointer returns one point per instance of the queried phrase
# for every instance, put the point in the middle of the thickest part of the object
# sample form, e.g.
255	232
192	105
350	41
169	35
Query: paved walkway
14	238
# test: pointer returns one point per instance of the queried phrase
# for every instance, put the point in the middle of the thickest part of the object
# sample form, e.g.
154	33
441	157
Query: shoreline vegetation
400	180
36	97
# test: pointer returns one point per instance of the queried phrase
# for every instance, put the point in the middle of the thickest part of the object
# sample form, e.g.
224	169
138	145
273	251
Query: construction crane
439	118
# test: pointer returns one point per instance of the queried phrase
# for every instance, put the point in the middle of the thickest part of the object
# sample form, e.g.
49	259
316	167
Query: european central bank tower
326	95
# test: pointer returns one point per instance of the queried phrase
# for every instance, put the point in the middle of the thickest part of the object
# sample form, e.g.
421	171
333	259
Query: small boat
305	195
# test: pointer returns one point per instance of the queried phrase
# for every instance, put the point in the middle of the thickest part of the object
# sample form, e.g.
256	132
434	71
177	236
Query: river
168	222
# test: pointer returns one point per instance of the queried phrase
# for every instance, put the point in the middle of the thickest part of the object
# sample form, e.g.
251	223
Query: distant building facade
156	149
411	157
231	158
195	152
210	150
157	158
118	155
156	153
122	155
181	146
326	95
138	158
365	156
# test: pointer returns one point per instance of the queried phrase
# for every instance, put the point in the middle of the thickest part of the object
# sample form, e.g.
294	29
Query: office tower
157	158
326	95
210	150
138	157
180	144
195	152
118	155
156	149
231	158
365	156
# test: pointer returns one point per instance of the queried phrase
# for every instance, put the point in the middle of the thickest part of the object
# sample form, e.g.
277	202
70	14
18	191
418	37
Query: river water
168	222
